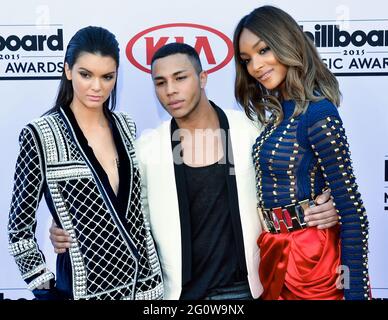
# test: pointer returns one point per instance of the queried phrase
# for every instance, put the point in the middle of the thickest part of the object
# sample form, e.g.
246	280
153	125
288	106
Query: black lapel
183	202
232	188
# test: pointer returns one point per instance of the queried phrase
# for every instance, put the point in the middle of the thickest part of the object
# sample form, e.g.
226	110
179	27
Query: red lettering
151	48
202	43
279	217
179	39
287	218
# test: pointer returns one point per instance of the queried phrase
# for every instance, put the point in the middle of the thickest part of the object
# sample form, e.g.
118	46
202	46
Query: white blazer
160	198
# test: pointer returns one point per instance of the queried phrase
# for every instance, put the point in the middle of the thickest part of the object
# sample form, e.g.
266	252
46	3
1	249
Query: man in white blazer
199	187
171	158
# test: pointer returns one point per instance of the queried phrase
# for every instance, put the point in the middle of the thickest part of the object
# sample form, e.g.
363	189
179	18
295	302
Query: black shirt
195	277
214	258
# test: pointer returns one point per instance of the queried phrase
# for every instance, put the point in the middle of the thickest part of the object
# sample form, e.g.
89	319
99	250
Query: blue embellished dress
295	160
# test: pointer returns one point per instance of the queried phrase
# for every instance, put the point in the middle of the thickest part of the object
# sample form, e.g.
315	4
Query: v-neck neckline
120	200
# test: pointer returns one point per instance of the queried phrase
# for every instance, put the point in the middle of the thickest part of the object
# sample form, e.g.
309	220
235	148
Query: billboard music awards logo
214	47
352	47
31	53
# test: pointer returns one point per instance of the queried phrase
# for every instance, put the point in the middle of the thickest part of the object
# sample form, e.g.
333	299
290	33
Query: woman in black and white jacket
81	156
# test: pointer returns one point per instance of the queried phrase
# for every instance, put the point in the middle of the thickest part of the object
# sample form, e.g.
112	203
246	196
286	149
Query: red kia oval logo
214	48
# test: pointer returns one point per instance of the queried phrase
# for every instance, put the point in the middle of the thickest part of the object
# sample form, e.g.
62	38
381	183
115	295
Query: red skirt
300	265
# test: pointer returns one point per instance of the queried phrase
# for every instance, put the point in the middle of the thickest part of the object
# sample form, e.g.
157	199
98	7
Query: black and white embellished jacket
114	256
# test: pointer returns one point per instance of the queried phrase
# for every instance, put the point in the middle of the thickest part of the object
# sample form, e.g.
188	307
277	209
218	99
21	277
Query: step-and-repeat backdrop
33	39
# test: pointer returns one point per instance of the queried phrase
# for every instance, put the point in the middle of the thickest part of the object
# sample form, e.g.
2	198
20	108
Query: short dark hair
176	48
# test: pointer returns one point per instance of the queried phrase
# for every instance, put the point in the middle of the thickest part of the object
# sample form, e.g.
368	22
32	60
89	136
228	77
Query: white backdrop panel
364	107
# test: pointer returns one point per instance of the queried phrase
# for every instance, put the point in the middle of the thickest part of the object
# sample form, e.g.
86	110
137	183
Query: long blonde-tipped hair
307	79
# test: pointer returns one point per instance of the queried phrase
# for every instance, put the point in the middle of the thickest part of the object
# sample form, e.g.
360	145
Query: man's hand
60	238
323	215
44	286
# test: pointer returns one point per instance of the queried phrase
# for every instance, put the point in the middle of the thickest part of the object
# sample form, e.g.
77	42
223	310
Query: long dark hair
308	79
95	40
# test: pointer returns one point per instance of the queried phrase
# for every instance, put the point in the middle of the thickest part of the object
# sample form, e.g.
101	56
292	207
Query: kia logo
214	48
